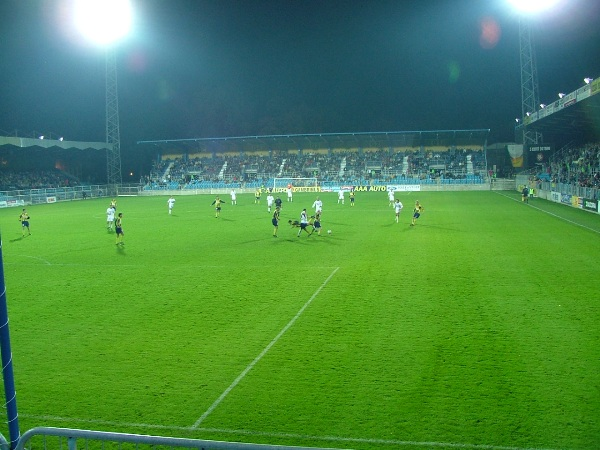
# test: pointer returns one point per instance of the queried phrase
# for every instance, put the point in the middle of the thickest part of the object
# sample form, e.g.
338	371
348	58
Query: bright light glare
533	6
103	21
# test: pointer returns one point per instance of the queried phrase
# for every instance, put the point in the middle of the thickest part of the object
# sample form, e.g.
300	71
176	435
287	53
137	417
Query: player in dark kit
217	204
24	219
316	224
275	221
119	229
416	213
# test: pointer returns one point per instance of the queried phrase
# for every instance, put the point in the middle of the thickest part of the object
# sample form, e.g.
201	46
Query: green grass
477	327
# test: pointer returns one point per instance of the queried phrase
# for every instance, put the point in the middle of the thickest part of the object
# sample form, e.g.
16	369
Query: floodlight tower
530	92
104	23
113	134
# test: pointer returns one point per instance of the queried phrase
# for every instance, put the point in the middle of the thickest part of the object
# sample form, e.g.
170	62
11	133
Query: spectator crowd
35	179
340	167
578	165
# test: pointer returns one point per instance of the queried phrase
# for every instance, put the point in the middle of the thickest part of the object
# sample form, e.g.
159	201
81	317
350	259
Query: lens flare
490	32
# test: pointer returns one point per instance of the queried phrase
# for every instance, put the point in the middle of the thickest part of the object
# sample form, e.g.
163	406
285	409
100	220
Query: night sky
254	67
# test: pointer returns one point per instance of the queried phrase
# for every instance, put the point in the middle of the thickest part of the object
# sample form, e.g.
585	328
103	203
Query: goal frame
299	184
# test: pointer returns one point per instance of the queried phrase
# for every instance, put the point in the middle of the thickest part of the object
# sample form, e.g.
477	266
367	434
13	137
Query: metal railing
46	438
572	189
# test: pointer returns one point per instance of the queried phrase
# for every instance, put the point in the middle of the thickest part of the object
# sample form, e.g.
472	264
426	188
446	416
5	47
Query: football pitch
478	328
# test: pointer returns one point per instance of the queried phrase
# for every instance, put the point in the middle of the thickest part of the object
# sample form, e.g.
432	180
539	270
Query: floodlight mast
529	81
113	134
104	23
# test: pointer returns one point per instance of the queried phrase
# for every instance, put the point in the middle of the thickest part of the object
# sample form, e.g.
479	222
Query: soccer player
217	203
416	213
270	200
275	221
278	203
171	203
303	222
290	193
233	197
316	224
113	204
397	208
391	197
110	218
24	219
352	197
318	205
341	197
257	196
119	230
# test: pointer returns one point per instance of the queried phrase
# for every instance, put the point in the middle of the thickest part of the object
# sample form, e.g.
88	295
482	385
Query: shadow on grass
315	239
393	224
437	227
20	238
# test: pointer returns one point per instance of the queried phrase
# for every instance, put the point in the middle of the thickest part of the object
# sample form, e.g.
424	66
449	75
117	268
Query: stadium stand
448	166
35	179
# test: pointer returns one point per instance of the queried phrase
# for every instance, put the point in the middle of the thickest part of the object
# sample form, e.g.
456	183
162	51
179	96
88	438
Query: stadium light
517	120
542	105
102	22
532	7
526	10
588	80
41	137
527	113
561	95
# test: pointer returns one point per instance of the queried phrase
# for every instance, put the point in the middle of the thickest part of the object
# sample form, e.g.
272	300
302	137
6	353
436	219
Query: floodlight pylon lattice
113	135
529	80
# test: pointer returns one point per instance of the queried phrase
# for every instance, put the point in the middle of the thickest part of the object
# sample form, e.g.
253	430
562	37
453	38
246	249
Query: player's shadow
17	239
437	227
120	250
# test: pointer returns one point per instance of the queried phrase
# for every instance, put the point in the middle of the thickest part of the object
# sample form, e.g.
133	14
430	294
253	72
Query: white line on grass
35	257
393	442
263	353
551	214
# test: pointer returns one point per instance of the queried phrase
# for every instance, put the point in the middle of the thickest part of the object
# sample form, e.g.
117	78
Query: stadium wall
495	185
570	195
53	195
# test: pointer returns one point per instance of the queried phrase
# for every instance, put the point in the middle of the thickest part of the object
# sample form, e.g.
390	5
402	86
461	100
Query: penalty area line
241	376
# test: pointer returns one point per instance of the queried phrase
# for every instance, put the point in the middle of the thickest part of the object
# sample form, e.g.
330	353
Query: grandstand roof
49	143
324	141
579	122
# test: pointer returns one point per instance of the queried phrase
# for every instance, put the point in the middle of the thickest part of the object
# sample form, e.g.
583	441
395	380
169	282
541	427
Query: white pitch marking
263	353
35	257
552	214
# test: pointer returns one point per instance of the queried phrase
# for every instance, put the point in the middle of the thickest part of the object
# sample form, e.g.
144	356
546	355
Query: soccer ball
328	231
